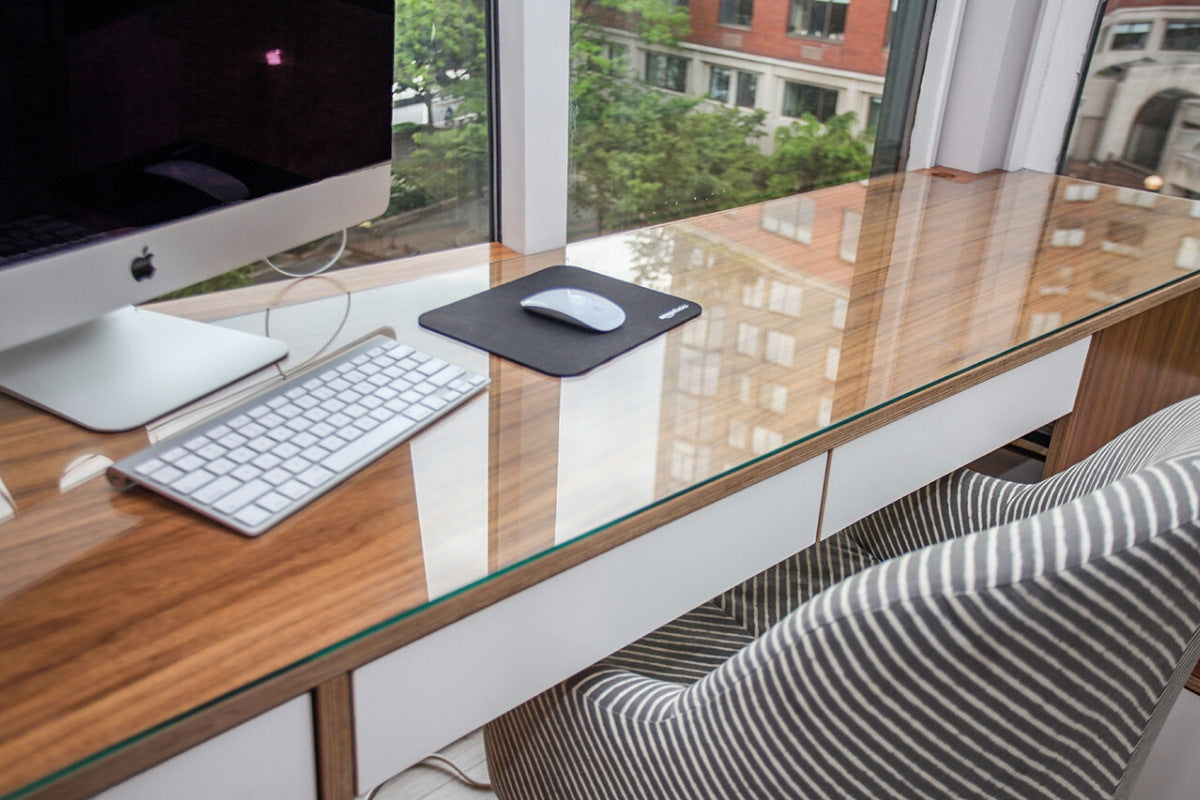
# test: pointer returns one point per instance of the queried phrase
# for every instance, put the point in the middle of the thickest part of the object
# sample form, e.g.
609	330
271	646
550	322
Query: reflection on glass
440	152
8	507
1138	121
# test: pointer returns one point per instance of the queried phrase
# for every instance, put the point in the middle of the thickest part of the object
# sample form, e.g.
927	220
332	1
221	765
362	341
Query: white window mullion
533	48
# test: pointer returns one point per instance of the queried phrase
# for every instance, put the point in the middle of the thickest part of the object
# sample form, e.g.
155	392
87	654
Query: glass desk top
121	612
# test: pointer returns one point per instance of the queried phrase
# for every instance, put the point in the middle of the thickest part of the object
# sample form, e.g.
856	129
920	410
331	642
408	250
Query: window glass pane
666	72
441	173
1182	36
718	84
1130	35
747	89
653	143
735	12
1137	122
823	18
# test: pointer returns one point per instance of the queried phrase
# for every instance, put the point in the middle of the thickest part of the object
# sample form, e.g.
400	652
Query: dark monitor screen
121	114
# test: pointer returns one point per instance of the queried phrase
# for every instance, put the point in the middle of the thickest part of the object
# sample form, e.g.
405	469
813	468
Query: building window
1130	36
825	19
735	12
747	89
874	105
718	84
1182	36
666	72
800	99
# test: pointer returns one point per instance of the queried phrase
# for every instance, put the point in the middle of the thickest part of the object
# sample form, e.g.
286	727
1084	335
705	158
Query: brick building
786	57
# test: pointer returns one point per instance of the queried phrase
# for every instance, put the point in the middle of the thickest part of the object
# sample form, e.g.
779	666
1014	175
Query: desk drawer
424	696
873	470
267	758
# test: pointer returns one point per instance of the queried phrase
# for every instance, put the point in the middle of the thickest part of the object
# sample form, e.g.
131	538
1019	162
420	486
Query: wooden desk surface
825	316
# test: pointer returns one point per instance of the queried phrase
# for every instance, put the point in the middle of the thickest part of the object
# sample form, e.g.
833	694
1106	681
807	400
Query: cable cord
443	764
438	761
333	260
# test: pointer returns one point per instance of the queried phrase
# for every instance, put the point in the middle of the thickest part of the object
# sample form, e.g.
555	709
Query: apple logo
142	266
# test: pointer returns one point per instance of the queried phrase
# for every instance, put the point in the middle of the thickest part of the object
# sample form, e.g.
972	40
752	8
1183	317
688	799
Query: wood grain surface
825	316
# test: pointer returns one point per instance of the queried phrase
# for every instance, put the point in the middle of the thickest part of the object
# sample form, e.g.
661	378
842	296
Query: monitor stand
131	366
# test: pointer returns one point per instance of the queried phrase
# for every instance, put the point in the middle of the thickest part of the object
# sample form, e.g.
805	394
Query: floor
435	783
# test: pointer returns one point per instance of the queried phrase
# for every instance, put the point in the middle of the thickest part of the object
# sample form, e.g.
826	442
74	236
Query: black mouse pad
494	321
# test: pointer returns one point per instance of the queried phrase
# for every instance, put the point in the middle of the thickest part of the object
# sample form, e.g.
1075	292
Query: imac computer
146	145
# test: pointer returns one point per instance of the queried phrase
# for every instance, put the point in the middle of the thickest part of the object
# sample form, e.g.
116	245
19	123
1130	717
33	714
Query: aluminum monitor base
131	366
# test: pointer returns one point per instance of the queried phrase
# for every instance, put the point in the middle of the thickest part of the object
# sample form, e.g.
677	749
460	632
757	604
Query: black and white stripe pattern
904	657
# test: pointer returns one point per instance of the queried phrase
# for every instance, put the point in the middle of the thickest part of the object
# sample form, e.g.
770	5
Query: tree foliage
441	49
810	154
638	154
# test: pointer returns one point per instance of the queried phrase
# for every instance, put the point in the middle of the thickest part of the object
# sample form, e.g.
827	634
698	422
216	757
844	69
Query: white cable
439	762
341	249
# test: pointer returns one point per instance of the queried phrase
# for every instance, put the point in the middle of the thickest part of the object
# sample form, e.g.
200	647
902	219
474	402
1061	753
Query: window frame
823	35
1192	24
668	60
1026	110
737	9
727	93
823	96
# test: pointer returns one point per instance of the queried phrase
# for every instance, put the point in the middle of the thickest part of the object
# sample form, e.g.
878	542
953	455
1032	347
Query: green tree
445	163
810	154
639	154
441	50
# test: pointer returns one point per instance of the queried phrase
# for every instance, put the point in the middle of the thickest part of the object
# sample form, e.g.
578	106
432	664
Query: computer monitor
146	145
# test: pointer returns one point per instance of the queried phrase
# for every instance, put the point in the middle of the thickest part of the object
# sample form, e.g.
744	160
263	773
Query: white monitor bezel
66	288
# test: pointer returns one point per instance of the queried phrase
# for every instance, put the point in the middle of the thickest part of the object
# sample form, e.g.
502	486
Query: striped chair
977	639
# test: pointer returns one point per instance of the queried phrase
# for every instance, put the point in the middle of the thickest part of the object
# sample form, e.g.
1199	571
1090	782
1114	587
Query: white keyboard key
244	494
252	515
211	492
367	443
192	481
269	456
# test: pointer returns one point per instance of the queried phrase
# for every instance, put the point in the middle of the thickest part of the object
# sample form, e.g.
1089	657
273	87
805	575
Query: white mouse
578	307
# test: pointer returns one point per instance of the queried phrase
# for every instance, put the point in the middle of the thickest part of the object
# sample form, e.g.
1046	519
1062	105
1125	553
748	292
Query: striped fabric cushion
1033	658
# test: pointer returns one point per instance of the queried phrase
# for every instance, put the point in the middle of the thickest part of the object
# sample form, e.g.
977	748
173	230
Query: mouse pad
494	321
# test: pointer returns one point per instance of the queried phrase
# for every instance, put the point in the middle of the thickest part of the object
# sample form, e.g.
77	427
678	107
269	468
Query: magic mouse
577	307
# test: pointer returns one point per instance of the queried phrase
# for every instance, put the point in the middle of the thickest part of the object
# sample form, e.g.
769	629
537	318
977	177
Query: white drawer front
873	470
270	757
424	696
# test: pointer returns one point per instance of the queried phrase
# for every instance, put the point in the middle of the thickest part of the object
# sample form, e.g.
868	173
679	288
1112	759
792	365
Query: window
800	99
632	145
821	18
735	12
1130	36
718	84
441	168
873	107
666	72
1182	36
747	89
1138	112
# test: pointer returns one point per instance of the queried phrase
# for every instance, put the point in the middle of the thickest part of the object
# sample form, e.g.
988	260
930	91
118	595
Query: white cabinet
872	470
429	693
270	757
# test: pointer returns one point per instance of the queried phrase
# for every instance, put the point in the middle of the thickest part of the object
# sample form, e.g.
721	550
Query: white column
533	41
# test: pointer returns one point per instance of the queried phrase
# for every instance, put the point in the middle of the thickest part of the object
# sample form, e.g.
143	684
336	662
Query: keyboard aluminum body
257	463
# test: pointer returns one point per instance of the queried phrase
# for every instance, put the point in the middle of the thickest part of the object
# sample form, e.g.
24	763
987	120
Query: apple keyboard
255	464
